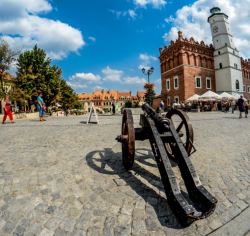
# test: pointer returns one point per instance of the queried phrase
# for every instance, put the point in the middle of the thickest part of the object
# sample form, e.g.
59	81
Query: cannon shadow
110	163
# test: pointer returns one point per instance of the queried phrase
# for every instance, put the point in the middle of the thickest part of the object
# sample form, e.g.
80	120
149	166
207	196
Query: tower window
220	65
208	83
168	84
198	82
237	85
176	82
235	65
219	52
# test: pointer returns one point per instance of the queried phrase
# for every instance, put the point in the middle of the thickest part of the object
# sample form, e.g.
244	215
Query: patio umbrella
226	95
237	96
210	95
193	98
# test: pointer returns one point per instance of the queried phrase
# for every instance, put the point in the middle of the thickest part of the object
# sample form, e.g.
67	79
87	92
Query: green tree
150	93
36	74
7	57
128	104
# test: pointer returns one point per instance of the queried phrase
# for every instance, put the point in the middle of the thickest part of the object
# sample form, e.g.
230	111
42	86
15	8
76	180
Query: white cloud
91	38
23	27
134	80
147	58
85	76
131	14
192	20
112	74
77	86
153	3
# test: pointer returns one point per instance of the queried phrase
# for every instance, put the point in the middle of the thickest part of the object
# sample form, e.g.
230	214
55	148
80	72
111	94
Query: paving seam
226	224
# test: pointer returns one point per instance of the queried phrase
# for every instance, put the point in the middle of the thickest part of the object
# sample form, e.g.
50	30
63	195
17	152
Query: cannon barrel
162	123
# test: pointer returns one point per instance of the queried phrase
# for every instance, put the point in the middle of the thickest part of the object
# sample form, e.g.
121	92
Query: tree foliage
150	93
7	57
36	74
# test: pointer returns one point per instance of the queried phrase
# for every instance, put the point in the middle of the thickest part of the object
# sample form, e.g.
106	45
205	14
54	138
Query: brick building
245	65
187	67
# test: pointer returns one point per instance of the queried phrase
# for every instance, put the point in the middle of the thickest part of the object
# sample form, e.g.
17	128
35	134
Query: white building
227	62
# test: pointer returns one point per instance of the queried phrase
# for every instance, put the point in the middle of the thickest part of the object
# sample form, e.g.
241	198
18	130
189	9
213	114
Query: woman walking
41	107
7	110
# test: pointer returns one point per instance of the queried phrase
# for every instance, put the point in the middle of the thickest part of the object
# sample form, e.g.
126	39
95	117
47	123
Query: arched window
220	65
237	85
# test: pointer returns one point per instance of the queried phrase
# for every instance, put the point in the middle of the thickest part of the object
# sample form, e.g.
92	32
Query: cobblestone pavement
63	177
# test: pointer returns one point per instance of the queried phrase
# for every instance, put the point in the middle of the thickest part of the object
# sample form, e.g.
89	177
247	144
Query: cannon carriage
169	140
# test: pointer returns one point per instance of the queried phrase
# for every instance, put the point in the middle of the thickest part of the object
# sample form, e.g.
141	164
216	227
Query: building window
235	65
220	65
198	82
168	84
219	52
237	85
248	89
208	83
244	88
176	82
176	99
168	101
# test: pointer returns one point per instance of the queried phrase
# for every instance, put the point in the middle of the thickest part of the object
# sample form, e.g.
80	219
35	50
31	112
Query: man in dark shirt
241	105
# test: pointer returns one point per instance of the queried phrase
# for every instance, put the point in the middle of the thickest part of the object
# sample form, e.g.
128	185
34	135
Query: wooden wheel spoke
180	126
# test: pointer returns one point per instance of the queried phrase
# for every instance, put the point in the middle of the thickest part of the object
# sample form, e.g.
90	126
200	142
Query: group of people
41	107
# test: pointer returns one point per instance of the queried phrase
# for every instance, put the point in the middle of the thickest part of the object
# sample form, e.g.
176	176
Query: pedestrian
233	103
241	105
41	107
162	105
113	108
246	105
7	110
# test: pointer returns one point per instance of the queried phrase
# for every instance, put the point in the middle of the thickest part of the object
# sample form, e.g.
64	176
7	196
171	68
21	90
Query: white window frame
208	78
176	87
168	81
198	77
244	88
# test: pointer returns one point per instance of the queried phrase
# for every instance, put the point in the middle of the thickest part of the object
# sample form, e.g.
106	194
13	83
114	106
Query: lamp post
147	71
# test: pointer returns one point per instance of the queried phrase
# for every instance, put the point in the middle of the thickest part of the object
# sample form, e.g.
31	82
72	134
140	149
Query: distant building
189	67
103	99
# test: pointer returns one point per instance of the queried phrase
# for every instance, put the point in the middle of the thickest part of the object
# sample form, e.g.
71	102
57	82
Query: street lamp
147	71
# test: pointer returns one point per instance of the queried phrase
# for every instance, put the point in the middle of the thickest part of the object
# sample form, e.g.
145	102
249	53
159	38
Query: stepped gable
181	45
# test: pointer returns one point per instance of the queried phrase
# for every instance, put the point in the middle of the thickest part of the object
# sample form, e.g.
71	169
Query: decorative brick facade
187	60
245	65
182	63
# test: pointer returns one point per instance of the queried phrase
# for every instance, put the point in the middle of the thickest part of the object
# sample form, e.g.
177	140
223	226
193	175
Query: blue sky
104	43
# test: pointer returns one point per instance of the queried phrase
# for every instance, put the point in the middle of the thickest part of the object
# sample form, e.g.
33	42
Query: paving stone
64	186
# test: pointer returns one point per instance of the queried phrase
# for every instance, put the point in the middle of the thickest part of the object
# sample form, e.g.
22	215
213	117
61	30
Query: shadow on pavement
110	163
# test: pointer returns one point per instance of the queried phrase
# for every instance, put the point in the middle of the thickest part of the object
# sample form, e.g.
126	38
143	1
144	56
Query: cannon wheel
128	146
184	129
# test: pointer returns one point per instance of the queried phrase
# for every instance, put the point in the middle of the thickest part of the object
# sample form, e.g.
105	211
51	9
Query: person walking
113	108
41	107
241	105
233	103
246	105
162	106
7	110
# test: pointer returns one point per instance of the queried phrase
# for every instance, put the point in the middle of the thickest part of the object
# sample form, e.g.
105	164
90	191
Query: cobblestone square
63	177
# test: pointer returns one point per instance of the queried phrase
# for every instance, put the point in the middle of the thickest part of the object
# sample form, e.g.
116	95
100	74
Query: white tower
227	62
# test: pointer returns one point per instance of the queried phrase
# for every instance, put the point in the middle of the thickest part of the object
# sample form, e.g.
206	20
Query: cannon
170	141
